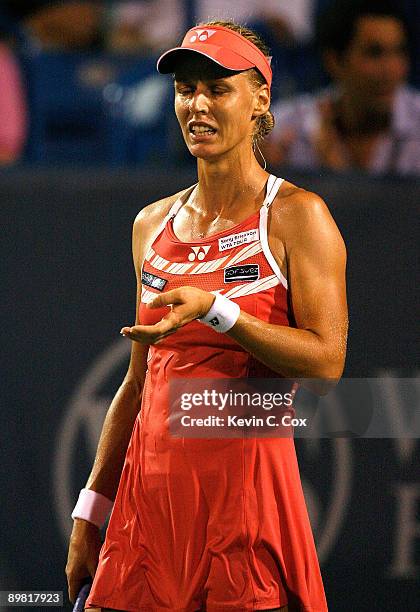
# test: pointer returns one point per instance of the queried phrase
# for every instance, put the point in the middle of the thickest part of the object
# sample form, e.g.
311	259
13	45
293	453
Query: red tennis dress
209	524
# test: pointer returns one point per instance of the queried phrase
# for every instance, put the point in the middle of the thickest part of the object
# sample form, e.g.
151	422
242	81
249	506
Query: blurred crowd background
78	83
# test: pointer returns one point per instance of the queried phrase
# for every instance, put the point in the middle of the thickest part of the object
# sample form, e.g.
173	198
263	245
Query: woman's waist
197	356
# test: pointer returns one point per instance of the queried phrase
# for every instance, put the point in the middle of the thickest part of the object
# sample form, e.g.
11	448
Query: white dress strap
273	186
179	202
268	187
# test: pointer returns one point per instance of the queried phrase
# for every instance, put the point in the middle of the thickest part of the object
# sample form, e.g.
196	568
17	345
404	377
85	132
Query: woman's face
215	107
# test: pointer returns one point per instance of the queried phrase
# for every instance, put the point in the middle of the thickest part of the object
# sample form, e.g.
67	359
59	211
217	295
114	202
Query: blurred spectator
152	25
287	21
369	119
58	25
145	25
13	120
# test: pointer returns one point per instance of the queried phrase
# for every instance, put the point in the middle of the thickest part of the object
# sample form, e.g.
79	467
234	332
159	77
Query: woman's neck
224	184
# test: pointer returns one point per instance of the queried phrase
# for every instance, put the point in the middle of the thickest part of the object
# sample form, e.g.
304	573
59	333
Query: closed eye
184	91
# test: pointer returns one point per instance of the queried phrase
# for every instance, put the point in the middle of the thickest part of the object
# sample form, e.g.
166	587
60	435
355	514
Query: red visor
222	45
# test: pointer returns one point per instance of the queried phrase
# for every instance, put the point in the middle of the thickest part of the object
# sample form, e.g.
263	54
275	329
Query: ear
261	101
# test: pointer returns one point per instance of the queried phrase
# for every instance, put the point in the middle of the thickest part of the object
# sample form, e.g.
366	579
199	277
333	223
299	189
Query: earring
255	148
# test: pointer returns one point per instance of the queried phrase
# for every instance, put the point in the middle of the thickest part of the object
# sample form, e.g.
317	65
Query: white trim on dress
272	190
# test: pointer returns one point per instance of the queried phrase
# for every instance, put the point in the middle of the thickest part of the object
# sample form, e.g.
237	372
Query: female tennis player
241	275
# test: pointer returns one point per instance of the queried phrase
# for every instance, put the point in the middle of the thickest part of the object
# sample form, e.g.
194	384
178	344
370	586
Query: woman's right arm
85	542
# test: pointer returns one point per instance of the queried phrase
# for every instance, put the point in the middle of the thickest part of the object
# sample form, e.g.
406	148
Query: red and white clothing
212	524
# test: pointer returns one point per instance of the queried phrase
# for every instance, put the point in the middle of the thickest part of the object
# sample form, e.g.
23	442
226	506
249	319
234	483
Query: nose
199	102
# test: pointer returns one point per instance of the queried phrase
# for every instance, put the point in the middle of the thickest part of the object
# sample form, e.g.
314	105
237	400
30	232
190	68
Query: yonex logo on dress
198	252
201	35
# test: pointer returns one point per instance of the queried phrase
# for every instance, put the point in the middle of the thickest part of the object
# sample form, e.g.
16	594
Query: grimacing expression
215	107
376	61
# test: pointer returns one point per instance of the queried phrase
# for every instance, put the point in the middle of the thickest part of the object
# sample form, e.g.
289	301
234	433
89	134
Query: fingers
186	304
137	332
83	556
151	334
72	593
165	299
74	586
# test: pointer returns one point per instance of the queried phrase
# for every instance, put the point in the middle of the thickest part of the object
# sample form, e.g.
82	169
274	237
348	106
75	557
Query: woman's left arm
316	261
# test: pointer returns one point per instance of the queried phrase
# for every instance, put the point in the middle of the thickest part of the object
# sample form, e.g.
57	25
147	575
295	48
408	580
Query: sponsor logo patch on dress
198	252
228	242
248	272
151	280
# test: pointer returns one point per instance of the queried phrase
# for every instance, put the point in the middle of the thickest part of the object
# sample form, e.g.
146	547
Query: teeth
201	129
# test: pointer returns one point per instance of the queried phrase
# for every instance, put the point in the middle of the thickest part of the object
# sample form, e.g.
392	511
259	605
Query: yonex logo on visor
222	45
201	35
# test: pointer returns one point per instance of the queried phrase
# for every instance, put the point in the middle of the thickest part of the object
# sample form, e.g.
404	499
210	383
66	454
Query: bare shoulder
299	215
153	214
297	203
147	223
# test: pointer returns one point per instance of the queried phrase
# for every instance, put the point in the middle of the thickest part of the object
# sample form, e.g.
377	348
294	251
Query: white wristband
93	507
223	314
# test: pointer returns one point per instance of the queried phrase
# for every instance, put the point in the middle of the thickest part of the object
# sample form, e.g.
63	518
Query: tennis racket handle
79	604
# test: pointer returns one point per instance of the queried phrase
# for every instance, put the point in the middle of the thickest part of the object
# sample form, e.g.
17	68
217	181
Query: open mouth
201	130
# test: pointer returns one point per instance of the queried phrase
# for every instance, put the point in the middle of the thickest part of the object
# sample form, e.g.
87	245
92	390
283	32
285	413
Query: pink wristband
92	507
